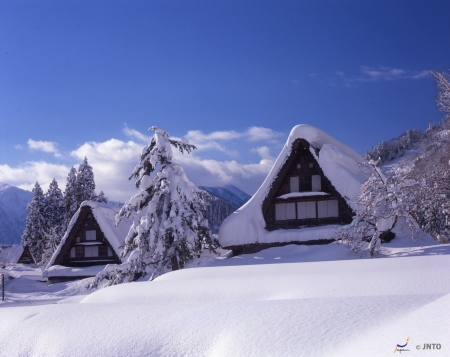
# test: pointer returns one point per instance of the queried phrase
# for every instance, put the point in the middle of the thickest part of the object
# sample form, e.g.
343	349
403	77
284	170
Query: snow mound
333	308
339	163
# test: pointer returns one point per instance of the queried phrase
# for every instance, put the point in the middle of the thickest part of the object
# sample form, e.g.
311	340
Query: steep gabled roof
105	215
340	165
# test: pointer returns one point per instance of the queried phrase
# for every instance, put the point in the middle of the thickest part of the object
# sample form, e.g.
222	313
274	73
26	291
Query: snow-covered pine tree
70	197
169	226
34	233
85	184
54	219
102	198
383	201
443	84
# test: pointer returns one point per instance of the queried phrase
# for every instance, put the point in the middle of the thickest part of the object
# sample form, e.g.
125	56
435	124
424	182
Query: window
328	208
78	239
90	235
73	253
91	251
284	211
311	165
316	183
110	254
294	184
306	210
299	166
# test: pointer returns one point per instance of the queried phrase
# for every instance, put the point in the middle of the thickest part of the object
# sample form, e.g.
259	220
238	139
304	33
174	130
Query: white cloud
113	161
380	73
45	146
264	152
25	175
256	133
136	134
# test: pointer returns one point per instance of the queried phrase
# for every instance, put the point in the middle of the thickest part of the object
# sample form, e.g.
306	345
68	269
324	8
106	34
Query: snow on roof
10	253
105	215
339	163
59	270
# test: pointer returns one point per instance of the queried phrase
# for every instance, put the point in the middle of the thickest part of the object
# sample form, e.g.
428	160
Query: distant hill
228	193
13	213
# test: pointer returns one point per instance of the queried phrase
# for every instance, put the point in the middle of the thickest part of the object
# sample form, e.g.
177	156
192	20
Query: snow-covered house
307	194
15	253
91	241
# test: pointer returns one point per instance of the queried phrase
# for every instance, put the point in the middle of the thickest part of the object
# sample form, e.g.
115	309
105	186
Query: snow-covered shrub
383	201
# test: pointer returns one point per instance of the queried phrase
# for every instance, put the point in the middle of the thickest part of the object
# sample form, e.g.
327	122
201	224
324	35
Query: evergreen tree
169	226
85	184
70	197
34	233
54	219
102	198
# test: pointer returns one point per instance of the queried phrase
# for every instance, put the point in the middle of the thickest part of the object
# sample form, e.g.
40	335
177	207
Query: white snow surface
339	163
287	301
105	214
302	194
59	270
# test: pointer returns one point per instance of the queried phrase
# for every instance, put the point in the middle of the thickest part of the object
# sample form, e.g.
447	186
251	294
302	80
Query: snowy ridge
340	165
228	193
13	213
105	214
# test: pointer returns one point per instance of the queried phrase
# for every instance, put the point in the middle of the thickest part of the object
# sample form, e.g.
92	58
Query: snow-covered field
288	301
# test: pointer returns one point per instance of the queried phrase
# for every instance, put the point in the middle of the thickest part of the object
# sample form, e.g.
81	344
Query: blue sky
88	78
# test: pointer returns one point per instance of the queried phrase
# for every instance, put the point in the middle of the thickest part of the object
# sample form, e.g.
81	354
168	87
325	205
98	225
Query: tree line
49	214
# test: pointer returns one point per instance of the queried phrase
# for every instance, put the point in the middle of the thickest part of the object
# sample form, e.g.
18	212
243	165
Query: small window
91	235
328	208
91	251
294	184
316	185
322	209
311	165
333	208
73	253
78	239
110	253
299	166
280	211
290	210
306	210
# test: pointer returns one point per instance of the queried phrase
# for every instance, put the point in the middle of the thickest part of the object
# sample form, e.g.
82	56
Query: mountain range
228	193
13	213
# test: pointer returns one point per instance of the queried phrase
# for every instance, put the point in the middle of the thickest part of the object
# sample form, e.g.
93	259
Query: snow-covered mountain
13	213
228	193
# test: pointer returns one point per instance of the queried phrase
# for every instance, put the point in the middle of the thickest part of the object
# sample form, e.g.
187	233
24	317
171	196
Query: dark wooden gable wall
85	248
301	164
26	257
